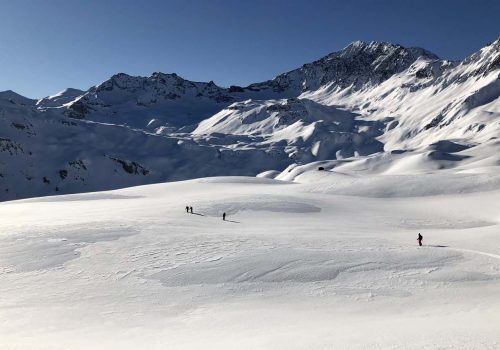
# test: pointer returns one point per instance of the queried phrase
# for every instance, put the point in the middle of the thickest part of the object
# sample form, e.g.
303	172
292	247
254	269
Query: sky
50	45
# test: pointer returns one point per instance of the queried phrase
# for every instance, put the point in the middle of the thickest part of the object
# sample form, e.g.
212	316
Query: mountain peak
14	97
357	65
68	91
381	48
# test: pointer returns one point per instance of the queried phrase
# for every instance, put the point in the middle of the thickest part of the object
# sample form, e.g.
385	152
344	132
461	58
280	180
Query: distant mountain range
366	99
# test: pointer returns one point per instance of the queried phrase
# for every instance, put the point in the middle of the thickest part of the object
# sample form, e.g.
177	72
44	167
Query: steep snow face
301	128
430	101
358	110
60	99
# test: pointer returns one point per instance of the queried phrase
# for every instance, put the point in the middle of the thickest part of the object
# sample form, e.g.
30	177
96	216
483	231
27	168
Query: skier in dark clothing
191	209
187	209
224	216
419	239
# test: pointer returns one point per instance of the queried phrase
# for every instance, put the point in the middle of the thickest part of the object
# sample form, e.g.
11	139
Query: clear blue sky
48	45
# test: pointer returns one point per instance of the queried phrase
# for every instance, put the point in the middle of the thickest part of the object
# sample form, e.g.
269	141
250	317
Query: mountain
364	103
304	129
46	153
167	99
431	100
142	102
358	65
60	99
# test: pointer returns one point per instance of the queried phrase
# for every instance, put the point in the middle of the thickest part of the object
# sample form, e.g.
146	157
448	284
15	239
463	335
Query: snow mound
269	174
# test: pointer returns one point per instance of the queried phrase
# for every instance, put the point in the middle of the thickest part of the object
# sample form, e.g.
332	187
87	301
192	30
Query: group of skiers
190	210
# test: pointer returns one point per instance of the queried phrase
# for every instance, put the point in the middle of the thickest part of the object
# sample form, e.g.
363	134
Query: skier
224	216
191	209
187	209
419	239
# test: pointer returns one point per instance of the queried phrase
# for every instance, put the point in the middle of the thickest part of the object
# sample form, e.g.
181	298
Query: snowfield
327	261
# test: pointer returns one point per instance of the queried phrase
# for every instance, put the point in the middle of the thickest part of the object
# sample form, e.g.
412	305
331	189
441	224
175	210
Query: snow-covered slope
43	154
365	99
304	129
416	99
60	99
296	266
430	101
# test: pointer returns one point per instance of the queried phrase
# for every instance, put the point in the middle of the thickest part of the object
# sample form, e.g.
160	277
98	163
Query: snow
270	174
304	264
364	103
61	98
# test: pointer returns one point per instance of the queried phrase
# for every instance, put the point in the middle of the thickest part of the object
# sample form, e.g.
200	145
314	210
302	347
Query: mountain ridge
365	99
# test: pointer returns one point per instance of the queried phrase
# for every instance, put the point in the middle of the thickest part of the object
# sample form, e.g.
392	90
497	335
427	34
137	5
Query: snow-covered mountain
304	129
47	153
358	65
143	102
362	103
146	102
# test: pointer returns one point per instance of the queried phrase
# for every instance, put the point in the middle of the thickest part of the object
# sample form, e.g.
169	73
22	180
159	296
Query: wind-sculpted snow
303	129
291	267
36	252
298	266
464	169
235	205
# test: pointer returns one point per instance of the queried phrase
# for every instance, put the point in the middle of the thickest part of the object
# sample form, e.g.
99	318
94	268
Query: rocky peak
120	81
485	60
377	49
356	65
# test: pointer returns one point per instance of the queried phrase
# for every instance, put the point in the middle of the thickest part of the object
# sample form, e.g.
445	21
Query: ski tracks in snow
471	251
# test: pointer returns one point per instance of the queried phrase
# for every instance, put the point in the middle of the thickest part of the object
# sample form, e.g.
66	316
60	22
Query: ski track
494	256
